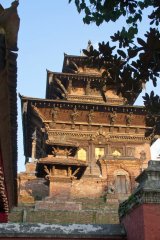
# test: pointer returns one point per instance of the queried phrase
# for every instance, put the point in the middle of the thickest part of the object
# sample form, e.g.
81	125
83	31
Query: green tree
135	61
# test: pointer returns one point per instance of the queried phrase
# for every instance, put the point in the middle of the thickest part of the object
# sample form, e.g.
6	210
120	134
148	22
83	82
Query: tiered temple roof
83	140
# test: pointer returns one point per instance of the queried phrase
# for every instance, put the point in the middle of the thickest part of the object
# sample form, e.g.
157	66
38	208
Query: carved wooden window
117	149
82	154
121	184
99	152
130	151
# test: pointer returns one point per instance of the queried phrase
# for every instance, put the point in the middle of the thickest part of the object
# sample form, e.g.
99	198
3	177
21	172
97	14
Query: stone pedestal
31	168
60	187
25	192
140	214
31	188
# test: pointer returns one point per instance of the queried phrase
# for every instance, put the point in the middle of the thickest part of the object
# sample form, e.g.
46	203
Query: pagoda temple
81	141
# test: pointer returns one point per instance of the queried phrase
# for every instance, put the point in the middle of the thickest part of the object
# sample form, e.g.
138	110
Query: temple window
99	152
82	154
117	151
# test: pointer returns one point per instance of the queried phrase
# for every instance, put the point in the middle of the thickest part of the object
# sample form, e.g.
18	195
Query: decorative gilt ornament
61	152
116	154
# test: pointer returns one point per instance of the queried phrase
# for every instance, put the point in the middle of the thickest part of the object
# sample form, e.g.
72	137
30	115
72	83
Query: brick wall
143	222
134	223
3	217
88	188
151	213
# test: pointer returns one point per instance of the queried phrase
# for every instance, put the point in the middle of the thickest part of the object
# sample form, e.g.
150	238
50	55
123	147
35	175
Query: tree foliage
136	61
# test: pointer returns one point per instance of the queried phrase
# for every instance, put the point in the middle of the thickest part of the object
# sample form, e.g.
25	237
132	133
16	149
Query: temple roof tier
60	122
70	161
74	64
41	103
60	143
82	87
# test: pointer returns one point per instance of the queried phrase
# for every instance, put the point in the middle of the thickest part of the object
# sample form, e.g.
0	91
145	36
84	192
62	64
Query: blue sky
48	29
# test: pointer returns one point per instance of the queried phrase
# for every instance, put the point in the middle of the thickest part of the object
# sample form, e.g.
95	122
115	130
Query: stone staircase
77	211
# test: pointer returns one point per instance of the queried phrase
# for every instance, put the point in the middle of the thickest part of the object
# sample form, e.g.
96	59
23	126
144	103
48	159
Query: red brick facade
140	214
143	222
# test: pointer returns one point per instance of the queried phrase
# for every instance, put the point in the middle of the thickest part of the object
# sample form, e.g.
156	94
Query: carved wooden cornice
87	135
62	104
121	138
93	135
75	77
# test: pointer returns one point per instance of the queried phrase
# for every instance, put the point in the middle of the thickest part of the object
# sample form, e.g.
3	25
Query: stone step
74	205
108	216
58	205
84	210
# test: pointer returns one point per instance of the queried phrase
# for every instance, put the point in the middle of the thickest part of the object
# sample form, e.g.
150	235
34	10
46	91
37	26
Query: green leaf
122	53
141	42
132	53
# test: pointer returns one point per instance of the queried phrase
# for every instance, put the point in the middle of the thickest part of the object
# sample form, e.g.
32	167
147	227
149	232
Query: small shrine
82	141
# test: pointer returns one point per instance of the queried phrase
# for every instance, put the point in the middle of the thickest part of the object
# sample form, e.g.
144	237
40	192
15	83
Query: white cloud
155	150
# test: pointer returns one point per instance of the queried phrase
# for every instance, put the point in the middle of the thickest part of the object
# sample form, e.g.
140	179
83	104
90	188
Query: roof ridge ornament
89	45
